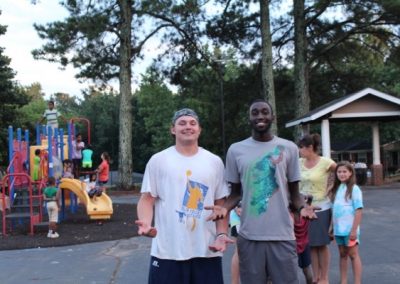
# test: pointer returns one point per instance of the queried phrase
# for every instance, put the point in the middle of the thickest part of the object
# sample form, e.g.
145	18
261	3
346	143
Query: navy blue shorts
198	270
304	258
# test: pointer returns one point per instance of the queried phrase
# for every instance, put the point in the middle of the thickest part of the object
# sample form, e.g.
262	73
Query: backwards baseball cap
184	112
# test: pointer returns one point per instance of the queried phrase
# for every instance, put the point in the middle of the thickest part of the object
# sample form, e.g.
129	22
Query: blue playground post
50	151
61	143
38	142
73	198
10	157
27	162
10	146
56	141
70	140
19	137
44	130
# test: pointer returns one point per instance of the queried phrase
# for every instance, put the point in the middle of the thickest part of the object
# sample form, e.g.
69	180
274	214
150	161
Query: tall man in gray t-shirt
263	172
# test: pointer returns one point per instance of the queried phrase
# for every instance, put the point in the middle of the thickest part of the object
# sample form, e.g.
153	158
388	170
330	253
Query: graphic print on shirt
260	177
193	200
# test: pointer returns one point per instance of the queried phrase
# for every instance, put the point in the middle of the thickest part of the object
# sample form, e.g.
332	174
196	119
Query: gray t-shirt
264	170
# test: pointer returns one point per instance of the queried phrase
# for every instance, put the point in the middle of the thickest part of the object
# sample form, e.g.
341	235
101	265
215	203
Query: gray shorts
318	232
260	260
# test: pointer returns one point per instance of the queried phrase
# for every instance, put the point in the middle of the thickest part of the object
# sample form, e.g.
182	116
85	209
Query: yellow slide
98	207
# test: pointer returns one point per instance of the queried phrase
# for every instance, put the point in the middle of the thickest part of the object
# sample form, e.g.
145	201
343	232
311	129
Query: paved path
126	261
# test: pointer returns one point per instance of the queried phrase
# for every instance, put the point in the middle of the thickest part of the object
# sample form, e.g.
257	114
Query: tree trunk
125	107
300	66
267	79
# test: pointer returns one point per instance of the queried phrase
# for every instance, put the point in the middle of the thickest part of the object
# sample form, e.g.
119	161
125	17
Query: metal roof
327	109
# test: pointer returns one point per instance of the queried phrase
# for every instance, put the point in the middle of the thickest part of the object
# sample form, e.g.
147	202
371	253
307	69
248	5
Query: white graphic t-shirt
183	186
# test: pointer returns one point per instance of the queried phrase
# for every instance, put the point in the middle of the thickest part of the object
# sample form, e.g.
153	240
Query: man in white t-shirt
180	182
51	115
263	172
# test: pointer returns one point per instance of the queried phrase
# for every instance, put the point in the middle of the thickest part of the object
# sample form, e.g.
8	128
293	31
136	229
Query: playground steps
20	207
23	202
18	215
20	204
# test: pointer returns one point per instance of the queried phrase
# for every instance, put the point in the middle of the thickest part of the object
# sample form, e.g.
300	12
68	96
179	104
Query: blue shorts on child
345	241
304	258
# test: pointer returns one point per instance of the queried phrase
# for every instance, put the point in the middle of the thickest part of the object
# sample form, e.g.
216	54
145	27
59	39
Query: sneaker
49	235
54	235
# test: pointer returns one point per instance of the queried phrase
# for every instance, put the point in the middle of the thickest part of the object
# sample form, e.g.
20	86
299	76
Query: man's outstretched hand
308	212
218	212
221	243
144	229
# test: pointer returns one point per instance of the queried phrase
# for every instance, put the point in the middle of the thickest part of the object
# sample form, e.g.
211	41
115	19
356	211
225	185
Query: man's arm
220	211
145	209
299	203
222	226
235	196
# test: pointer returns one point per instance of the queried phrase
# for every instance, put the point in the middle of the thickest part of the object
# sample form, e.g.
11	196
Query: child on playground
346	216
51	196
94	191
301	226
104	169
36	165
92	188
67	172
87	153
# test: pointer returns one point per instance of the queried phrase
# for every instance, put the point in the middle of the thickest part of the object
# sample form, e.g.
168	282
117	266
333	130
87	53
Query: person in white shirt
179	183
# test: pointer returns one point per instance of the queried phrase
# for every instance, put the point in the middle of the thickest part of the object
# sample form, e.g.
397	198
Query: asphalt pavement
127	261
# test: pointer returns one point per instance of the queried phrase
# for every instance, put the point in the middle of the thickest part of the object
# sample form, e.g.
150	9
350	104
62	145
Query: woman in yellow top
315	174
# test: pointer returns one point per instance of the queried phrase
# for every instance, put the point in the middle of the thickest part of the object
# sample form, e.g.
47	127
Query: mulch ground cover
76	228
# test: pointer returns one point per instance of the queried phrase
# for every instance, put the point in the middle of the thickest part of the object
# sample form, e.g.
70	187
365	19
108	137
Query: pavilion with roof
367	105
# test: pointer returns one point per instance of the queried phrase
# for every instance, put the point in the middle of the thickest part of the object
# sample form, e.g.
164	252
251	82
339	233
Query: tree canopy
12	98
211	53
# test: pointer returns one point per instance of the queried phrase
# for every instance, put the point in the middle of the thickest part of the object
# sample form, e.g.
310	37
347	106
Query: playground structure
96	208
21	197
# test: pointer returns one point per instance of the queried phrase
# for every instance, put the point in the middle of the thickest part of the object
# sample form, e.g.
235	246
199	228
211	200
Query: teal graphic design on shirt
260	178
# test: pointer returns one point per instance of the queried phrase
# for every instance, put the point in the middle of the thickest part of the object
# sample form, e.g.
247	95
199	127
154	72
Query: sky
21	38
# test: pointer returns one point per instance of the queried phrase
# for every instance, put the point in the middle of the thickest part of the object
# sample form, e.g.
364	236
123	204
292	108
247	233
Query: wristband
300	208
222	234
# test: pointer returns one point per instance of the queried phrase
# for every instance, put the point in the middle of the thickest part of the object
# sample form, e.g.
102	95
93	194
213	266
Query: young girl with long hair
346	215
104	169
